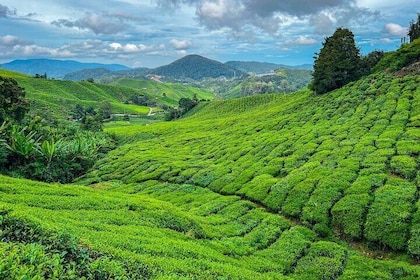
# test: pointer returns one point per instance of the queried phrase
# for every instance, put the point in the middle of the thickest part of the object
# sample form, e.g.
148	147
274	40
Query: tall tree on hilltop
338	62
414	30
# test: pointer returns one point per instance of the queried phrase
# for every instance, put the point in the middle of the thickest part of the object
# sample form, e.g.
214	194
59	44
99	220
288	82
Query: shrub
349	214
388	219
325	260
404	166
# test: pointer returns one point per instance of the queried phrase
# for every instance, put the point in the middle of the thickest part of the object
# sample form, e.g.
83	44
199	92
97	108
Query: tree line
340	62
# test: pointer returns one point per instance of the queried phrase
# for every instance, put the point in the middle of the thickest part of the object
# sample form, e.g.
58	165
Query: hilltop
196	67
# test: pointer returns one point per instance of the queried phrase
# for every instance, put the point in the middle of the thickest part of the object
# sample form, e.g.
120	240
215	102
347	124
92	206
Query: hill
105	75
55	68
280	186
344	162
263	67
249	188
61	97
282	80
165	93
196	67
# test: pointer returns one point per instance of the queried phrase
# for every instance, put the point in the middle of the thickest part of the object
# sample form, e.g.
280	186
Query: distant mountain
55	68
196	67
188	68
105	74
263	67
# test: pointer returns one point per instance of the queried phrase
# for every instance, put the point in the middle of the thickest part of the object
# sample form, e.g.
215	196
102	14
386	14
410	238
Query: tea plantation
346	161
294	186
156	230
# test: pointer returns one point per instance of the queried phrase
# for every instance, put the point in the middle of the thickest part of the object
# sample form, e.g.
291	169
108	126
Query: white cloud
115	46
387	41
131	48
395	30
302	41
10	40
181	44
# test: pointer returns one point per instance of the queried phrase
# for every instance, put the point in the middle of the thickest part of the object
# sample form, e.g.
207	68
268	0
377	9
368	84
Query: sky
151	33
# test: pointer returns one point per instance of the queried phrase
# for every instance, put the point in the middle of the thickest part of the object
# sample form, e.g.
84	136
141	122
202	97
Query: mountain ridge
55	68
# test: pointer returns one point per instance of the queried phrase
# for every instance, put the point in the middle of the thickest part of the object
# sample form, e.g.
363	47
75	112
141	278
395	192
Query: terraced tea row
175	231
346	161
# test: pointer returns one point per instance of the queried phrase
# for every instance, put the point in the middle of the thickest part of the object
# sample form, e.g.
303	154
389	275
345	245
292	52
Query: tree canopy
338	62
13	105
414	30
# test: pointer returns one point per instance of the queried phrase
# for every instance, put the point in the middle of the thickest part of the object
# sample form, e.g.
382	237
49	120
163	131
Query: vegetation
333	164
155	230
167	94
414	30
337	63
13	105
279	186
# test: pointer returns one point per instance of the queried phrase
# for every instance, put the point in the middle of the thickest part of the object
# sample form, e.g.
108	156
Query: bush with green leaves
404	166
388	220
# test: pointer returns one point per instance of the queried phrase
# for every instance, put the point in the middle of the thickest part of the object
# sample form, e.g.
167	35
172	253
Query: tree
105	110
186	104
414	30
338	62
13	105
369	61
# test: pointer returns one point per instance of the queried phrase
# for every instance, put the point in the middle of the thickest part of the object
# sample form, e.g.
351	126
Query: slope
165	93
61	97
346	161
158	230
196	67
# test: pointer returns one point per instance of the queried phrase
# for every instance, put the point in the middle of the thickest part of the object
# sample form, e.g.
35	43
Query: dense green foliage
404	56
13	105
414	30
337	63
329	161
159	230
295	186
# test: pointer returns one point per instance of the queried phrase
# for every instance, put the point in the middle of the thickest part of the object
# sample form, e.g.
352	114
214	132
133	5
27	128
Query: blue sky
150	33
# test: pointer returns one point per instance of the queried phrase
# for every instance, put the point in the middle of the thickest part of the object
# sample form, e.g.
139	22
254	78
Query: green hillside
280	186
61	96
346	161
157	230
166	93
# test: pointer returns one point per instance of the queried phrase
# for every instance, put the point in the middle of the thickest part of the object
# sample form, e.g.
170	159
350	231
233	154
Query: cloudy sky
150	33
